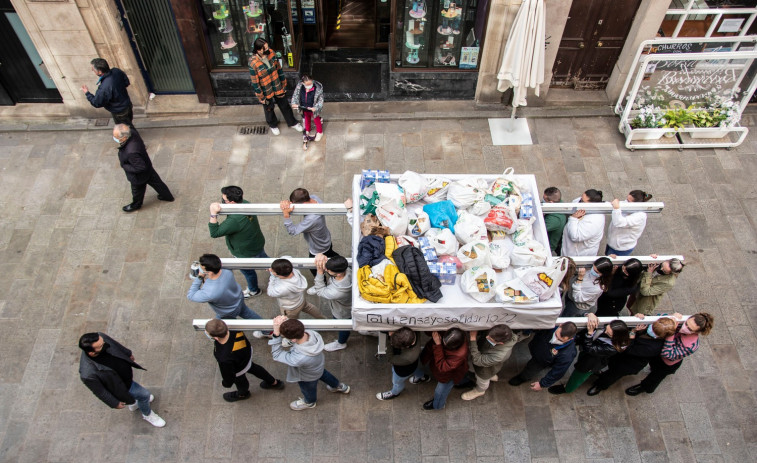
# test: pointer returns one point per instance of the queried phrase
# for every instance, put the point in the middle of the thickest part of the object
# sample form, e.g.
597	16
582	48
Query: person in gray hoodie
305	361
312	227
333	282
288	286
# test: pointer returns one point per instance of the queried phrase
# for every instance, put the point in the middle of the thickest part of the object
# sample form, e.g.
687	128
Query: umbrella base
510	132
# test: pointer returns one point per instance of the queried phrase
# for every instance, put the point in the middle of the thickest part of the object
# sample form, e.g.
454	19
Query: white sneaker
247	293
154	420
342	388
297	127
336	345
135	406
275	130
318	136
300	404
494	378
472	394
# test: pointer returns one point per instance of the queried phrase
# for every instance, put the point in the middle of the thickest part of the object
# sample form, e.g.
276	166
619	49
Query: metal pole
274	209
600	208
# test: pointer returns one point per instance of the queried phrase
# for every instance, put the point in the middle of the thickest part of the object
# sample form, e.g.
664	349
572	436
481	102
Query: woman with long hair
586	287
625	281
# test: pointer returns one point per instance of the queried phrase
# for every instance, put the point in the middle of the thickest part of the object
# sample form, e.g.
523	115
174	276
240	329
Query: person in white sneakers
489	351
626	227
333	282
583	232
105	368
305	361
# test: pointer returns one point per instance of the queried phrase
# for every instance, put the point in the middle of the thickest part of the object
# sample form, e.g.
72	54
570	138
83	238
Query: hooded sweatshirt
581	237
289	292
338	293
305	361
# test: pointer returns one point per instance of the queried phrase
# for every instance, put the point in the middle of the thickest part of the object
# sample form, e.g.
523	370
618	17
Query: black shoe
162	198
516	380
465	384
233	396
594	390
635	390
131	207
429	405
557	389
278	385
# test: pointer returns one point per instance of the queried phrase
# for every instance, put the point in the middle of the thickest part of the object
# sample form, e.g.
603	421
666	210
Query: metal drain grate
253	130
102	122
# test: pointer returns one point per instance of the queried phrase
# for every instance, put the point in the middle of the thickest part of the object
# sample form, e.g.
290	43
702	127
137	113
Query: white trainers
473	393
297	127
494	378
332	346
318	136
154	420
135	406
247	293
300	404
275	131
342	388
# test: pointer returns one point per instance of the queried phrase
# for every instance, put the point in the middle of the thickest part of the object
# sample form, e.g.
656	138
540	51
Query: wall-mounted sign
731	25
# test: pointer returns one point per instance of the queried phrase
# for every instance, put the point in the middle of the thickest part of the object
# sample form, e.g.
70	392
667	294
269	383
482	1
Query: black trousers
620	366
329	253
533	368
124	117
286	111
243	385
138	189
659	371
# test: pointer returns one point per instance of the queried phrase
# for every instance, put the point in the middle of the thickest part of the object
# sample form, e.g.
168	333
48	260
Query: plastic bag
371	226
480	208
514	291
368	204
418	223
463	193
499	253
505	185
392	215
501	218
532	254
389	191
478	283
469	228
436	189
442	214
544	281
474	254
524	231
443	241
414	186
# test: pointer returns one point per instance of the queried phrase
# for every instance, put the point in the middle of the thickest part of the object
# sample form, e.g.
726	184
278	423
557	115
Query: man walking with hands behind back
135	161
111	92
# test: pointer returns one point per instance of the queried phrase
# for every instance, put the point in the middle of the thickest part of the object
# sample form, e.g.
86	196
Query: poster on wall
469	58
308	11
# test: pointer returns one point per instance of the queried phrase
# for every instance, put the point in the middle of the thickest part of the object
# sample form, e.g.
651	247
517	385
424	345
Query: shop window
709	18
233	26
439	33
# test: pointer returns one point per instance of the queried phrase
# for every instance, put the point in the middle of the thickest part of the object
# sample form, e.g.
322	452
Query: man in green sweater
242	232
554	222
489	350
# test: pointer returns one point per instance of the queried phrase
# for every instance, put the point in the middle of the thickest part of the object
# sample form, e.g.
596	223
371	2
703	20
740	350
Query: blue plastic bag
442	214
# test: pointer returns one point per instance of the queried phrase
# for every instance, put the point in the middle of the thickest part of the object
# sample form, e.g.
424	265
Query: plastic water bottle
194	270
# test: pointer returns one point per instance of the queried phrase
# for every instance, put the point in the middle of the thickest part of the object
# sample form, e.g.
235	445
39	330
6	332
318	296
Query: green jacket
555	224
651	289
242	232
488	361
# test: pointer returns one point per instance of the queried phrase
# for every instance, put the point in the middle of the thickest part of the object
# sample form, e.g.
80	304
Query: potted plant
676	119
718	114
649	117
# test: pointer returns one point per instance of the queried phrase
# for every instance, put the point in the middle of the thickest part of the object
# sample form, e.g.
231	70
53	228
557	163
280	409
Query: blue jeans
398	382
343	336
251	275
310	388
142	396
609	250
245	312
441	392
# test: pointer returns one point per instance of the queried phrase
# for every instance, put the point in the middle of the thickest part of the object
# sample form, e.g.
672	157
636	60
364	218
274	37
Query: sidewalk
74	262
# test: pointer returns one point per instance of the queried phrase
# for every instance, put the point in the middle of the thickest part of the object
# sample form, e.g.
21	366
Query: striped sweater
678	346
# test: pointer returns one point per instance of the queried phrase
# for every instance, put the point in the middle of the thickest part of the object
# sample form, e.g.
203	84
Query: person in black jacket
105	367
135	161
646	345
625	281
597	346
234	355
554	349
111	92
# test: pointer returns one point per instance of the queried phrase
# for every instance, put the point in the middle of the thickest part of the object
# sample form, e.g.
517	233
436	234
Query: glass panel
415	34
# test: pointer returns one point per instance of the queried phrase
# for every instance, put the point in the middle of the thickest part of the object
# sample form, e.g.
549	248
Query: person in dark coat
111	92
135	161
647	344
625	281
554	349
234	356
105	368
447	357
411	262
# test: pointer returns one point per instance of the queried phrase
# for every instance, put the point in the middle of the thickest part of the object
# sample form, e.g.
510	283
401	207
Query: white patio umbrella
523	61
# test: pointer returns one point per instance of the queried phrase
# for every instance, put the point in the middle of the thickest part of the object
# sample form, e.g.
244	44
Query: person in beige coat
489	351
656	281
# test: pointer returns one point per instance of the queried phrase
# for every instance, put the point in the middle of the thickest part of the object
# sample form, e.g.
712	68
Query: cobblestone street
75	263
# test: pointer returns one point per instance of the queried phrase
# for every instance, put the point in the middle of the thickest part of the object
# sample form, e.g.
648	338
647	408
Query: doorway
350	23
23	76
591	43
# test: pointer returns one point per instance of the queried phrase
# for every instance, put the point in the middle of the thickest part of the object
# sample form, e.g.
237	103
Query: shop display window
233	26
440	33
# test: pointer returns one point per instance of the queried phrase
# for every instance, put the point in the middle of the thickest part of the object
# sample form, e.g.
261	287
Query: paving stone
699	428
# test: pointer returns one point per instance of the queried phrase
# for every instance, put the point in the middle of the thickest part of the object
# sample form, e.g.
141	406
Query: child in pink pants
308	97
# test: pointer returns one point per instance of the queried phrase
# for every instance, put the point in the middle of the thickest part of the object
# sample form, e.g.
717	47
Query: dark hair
621	336
305	77
568	329
299	196
595	196
292	329
86	340
501	333
211	262
664	327
233	193
282	267
216	328
634	267
258	44
640	196
453	338
100	65
403	338
565	283
337	264
704	321
604	268
553	194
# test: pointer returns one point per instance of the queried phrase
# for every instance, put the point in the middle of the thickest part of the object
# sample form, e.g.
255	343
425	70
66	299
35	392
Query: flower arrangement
649	117
719	110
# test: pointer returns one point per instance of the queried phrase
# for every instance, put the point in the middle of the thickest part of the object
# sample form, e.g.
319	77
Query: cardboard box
445	271
369	177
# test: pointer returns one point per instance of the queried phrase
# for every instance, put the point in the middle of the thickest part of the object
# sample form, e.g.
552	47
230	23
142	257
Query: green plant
648	118
676	118
702	117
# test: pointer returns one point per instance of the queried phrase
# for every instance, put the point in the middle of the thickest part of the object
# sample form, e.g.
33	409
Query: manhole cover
102	122
253	130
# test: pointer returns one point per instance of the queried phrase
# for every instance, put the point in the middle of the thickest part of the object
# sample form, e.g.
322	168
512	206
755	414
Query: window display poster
469	58
308	11
731	25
